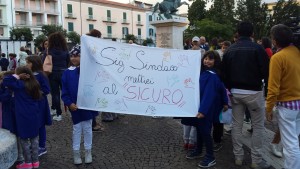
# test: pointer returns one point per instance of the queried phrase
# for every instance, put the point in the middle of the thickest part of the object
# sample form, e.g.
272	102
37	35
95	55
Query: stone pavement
131	142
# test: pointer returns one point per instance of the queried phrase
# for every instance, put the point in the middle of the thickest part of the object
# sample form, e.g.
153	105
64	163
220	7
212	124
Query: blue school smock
26	108
212	95
70	81
44	113
8	110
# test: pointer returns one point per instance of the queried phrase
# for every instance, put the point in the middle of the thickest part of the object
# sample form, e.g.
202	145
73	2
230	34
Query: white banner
131	79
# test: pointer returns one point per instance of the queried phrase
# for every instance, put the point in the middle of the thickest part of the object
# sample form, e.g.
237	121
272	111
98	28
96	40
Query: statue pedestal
169	33
8	149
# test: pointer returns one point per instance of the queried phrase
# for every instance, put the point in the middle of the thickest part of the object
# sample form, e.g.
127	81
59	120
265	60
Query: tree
130	37
211	29
19	32
222	11
284	12
49	29
197	11
256	13
74	37
147	41
39	40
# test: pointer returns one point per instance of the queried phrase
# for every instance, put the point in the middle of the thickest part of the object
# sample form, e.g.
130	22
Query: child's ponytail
32	86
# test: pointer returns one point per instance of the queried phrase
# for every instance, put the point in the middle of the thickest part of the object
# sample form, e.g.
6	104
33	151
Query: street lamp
14	38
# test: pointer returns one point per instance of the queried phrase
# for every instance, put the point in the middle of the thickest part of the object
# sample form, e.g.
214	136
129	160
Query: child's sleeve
12	82
65	92
208	96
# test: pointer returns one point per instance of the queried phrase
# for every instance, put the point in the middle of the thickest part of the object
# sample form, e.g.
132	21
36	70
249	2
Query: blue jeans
204	136
55	84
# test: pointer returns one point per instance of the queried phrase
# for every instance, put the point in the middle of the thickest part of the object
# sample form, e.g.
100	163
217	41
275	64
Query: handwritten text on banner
131	79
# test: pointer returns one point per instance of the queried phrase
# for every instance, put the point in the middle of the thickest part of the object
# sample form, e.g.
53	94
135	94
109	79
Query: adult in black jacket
245	65
4	62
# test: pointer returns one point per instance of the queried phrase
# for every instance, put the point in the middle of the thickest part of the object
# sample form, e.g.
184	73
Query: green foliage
18	32
284	11
197	11
130	37
39	40
222	11
254	12
210	29
74	37
48	29
147	41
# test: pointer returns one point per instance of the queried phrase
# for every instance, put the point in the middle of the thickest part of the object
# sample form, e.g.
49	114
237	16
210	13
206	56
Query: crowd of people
238	75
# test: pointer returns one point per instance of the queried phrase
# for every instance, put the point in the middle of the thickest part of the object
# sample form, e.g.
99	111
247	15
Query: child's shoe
88	156
77	158
53	112
206	163
36	164
57	118
42	151
24	166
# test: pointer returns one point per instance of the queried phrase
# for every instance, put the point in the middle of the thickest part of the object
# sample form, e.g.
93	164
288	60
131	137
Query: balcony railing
20	8
139	23
23	23
91	18
70	15
109	19
125	21
37	23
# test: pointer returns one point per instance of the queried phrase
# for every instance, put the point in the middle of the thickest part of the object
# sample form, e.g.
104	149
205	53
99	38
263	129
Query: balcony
21	8
22	23
109	20
37	24
91	18
139	23
2	2
125	21
37	10
52	11
70	16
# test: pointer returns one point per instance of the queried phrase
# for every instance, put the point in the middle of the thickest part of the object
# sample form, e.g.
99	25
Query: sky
182	9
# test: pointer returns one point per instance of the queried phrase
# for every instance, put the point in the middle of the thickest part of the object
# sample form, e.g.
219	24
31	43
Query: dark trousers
204	137
218	132
42	137
55	84
247	113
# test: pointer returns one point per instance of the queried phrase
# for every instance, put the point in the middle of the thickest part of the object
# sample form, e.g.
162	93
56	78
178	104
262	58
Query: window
124	31
53	20
109	30
90	9
91	26
70	26
70	10
150	17
1	19
139	17
38	20
139	32
108	15
124	16
38	4
151	32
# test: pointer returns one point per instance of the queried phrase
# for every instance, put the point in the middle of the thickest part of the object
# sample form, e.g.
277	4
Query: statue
168	8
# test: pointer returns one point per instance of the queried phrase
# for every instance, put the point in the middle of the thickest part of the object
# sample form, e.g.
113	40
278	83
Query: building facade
29	13
114	20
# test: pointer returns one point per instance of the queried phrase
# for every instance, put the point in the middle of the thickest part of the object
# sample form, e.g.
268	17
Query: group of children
26	112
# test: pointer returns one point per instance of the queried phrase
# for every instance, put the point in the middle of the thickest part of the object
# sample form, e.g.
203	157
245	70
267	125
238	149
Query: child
27	94
213	99
34	63
82	119
13	62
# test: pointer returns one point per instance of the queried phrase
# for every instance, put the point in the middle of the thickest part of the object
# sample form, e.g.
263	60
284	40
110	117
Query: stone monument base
169	33
8	149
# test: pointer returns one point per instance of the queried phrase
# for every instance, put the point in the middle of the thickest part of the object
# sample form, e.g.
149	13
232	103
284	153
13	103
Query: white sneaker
53	112
57	118
275	151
